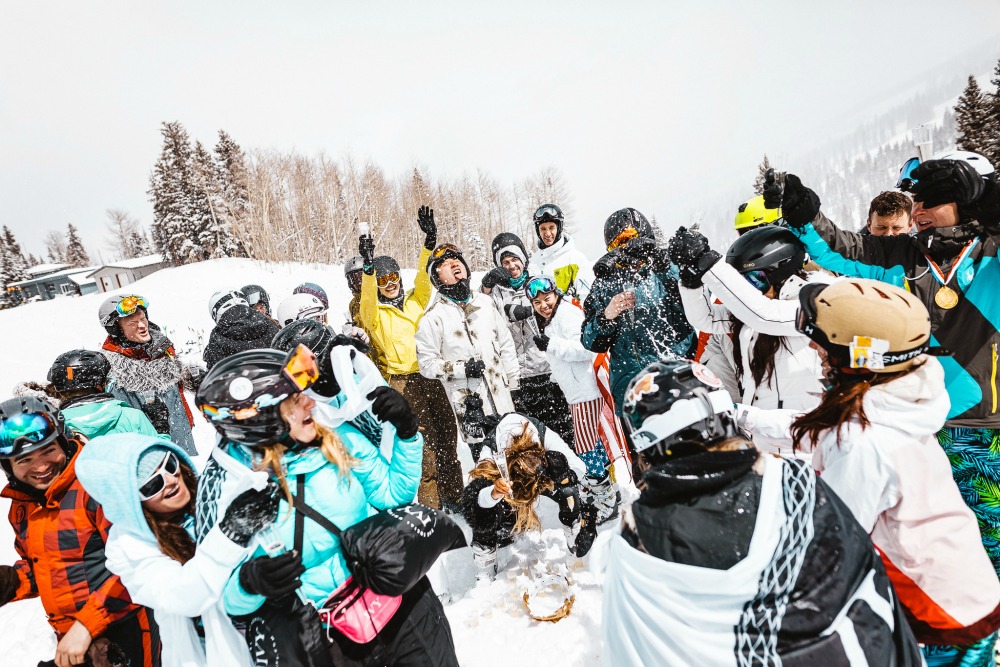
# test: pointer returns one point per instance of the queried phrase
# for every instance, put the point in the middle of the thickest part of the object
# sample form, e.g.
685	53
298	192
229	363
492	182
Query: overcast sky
656	105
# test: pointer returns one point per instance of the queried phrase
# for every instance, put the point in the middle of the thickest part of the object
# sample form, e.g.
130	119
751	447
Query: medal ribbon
939	274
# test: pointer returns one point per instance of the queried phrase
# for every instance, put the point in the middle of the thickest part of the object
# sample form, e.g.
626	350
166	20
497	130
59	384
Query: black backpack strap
300	519
302	511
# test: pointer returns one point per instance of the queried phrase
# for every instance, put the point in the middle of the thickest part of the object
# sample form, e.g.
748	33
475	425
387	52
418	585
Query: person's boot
581	535
605	496
486	560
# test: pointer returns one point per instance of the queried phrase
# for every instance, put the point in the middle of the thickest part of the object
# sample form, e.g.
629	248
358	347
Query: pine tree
206	205
171	188
76	254
233	181
970	118
992	144
33	261
661	238
13	265
758	183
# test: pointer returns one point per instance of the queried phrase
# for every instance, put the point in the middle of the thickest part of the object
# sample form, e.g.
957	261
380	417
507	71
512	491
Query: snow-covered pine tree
13	265
209	220
171	187
55	246
970	118
232	177
33	261
76	254
992	144
758	183
661	238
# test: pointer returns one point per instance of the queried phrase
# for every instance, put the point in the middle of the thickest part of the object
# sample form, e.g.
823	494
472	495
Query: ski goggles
623	237
25	430
157	482
548	213
758	279
300	367
906	180
540	285
253	298
129	304
388	279
446	251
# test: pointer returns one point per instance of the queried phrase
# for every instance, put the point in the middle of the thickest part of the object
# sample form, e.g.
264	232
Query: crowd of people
810	420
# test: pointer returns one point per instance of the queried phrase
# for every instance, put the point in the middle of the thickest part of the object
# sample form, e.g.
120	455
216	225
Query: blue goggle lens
758	279
25	429
538	286
906	180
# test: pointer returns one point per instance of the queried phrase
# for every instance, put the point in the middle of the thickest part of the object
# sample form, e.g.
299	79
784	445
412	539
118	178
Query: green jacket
101	414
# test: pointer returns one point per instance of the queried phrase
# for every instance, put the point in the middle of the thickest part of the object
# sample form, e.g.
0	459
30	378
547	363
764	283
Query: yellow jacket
392	330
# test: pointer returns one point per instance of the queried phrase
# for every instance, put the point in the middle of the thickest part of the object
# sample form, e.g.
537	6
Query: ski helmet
26	425
255	294
864	324
618	224
316	291
767	256
300	306
385	266
352	271
676	407
242	394
548	213
752	213
439	255
318	337
116	307
220	302
508	244
981	164
79	369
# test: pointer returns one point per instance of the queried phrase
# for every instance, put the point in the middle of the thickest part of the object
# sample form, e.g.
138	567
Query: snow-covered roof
134	263
83	277
70	273
42	269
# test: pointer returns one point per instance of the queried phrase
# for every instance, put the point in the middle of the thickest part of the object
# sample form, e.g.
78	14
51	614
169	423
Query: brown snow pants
441	476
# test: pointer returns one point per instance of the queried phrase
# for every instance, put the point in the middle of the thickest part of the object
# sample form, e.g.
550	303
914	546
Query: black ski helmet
255	294
384	265
242	394
623	219
79	369
774	250
440	254
548	213
319	338
26	425
676	407
508	243
316	291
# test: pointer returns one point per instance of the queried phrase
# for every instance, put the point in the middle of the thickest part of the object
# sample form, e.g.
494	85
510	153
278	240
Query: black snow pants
541	398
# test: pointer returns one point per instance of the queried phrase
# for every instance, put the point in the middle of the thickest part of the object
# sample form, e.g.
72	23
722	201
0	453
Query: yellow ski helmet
752	213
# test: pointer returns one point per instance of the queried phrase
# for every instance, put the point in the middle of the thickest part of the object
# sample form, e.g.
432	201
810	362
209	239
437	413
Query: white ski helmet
299	307
981	164
223	301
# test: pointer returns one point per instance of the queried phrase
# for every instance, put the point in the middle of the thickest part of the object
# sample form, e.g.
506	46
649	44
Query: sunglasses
388	279
23	430
906	180
300	367
129	304
540	285
446	250
154	486
624	237
758	279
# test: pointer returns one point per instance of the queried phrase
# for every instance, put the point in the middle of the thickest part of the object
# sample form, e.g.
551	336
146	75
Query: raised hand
425	218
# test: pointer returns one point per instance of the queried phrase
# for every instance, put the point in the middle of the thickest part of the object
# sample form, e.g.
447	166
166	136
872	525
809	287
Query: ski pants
441	473
417	636
541	398
587	437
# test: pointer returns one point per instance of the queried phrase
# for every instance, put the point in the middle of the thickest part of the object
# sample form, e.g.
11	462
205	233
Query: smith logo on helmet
644	385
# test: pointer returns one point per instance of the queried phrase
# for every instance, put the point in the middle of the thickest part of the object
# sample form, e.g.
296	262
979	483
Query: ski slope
488	619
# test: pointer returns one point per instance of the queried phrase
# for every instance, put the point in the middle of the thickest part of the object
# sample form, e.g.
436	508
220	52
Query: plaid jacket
61	544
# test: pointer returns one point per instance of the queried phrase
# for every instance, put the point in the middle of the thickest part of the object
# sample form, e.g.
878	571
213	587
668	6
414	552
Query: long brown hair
174	541
765	349
841	404
331	446
525	456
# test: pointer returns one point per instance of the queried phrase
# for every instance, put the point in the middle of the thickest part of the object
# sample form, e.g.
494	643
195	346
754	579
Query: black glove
497	276
541	342
515	312
388	405
588	531
772	190
475	368
425	218
366	248
249	512
938	182
799	204
272	577
692	255
986	209
9	583
606	265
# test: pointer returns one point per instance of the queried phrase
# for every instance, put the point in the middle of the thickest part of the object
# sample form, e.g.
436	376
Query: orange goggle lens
300	367
388	279
626	235
129	304
444	248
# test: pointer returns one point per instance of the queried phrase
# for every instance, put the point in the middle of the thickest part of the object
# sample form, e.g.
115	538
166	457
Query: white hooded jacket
572	364
572	271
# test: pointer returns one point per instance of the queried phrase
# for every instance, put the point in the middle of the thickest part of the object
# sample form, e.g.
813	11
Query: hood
242	325
916	404
99	415
107	467
563	244
510	427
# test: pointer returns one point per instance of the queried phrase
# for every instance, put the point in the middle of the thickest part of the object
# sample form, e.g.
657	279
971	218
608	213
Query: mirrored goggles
388	279
154	486
445	249
624	237
547	213
24	430
906	180
758	279
129	304
540	285
300	367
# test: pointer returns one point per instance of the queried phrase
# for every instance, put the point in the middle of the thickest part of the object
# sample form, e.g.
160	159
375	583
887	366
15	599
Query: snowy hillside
481	615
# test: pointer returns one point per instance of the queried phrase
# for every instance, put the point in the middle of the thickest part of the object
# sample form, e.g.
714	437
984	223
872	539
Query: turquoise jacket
372	484
102	414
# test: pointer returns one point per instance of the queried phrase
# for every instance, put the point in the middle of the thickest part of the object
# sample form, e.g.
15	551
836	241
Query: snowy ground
488	619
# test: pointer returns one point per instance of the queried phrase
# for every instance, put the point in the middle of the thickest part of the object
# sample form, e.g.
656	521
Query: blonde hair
330	445
524	457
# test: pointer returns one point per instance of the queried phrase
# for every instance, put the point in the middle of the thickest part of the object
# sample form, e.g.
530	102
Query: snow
488	619
135	262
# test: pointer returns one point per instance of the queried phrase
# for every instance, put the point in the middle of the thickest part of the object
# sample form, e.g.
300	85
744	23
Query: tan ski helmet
865	324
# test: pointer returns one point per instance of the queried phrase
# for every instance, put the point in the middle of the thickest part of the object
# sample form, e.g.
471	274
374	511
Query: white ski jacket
572	271
530	359
572	364
452	333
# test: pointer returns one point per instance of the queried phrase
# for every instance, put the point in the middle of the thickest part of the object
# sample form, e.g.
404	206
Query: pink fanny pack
358	613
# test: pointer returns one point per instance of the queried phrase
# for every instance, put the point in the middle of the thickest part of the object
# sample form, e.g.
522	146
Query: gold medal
946	297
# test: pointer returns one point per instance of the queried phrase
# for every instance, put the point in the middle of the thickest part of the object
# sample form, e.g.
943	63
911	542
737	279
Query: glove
986	209
475	368
605	266
425	218
693	256
515	312
541	342
272	577
799	204
772	190
249	512
9	583
497	276
366	248
587	533
389	406
938	182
